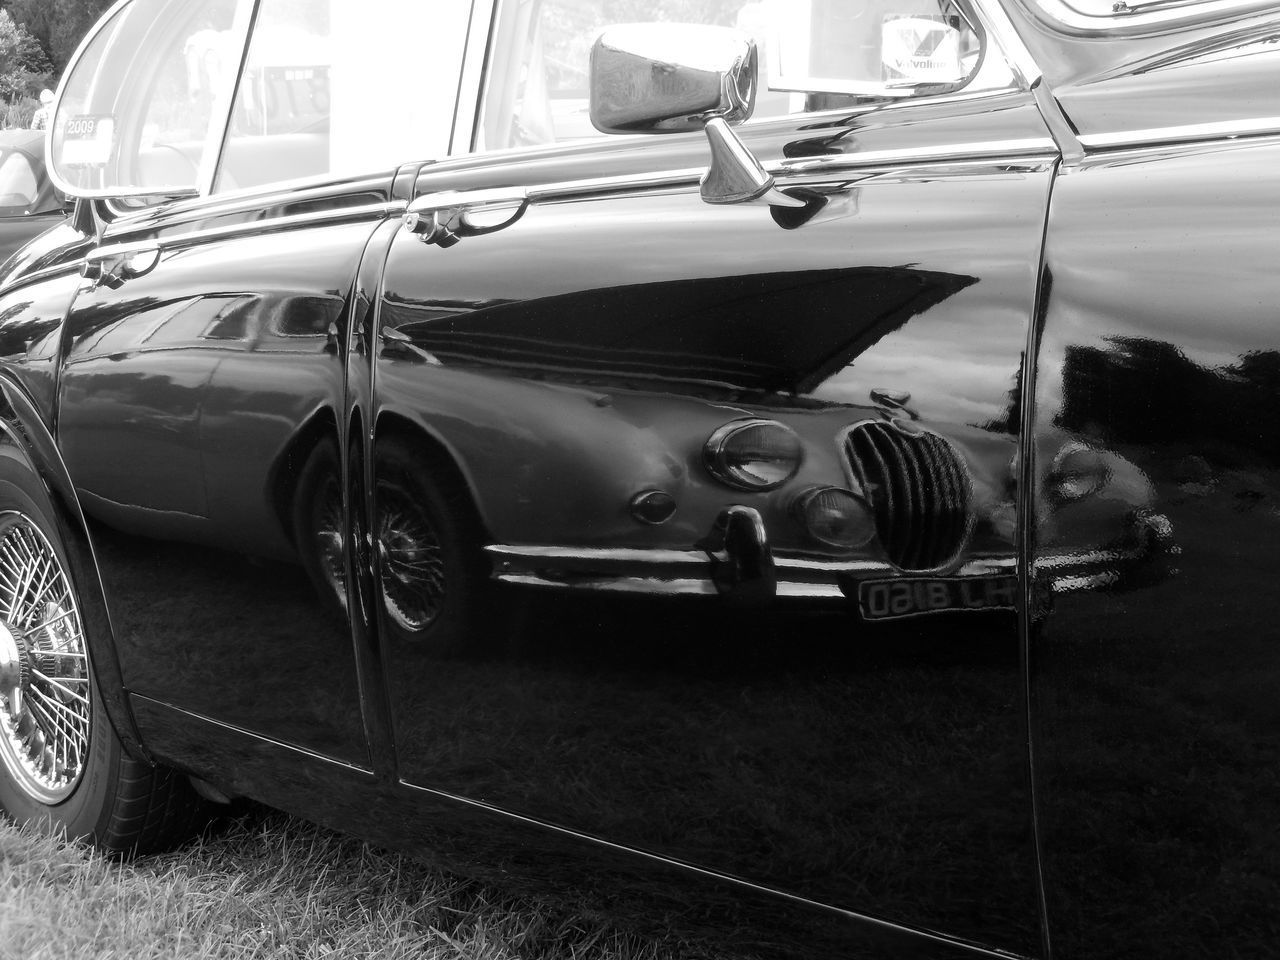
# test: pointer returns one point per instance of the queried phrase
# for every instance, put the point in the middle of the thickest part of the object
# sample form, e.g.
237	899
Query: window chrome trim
475	64
1141	17
1001	32
1033	147
207	178
44	273
202	208
1033	151
336	215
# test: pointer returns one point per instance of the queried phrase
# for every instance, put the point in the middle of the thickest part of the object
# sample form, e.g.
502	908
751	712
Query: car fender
25	433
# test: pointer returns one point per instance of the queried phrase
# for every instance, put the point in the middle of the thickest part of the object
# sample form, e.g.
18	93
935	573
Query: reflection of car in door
670	509
29	204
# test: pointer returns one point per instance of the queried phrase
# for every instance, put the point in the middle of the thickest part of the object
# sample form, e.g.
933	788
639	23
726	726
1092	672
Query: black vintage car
800	476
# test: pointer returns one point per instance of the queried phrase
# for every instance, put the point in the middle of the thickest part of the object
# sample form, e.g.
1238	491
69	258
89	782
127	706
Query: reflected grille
918	489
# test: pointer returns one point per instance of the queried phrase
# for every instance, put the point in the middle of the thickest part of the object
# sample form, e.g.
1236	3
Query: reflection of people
40	119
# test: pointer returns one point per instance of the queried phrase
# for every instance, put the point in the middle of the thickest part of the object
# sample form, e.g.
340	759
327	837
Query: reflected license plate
911	597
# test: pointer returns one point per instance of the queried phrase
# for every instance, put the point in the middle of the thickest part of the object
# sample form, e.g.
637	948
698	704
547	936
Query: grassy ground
269	886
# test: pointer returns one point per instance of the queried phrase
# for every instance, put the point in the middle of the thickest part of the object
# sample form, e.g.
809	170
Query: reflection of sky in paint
950	377
958	359
1199	273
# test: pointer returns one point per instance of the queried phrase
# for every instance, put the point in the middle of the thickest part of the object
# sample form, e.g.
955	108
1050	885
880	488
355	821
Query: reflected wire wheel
318	523
44	675
434	577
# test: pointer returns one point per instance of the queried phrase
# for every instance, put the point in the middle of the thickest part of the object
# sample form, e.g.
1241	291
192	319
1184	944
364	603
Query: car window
319	93
815	54
140	109
181	97
19	186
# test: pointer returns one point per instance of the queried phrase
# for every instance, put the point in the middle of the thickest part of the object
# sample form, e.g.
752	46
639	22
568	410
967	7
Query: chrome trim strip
466	109
642	585
225	101
337	215
1219	130
954	948
1060	128
809	579
1001	29
997	151
240	201
1084	582
599	554
687	572
982	150
364	772
1060	13
45	273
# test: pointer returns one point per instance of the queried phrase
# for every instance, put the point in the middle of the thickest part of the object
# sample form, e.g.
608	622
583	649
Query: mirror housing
670	77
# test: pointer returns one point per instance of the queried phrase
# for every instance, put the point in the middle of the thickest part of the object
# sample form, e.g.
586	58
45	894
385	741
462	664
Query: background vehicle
29	205
919	521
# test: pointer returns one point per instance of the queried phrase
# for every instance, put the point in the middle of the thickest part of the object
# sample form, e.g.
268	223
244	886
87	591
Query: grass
266	885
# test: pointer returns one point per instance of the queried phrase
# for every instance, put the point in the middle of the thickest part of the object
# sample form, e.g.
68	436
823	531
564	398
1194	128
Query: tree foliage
56	25
24	68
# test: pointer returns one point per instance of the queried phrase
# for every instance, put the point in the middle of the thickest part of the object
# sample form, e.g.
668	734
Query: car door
592	307
188	430
202	380
1153	698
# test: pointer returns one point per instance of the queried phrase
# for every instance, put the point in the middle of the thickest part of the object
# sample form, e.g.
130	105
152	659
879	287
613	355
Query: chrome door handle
112	265
445	218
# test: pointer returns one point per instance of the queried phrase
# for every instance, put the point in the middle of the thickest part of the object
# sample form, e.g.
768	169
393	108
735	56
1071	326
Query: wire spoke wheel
413	564
328	540
44	667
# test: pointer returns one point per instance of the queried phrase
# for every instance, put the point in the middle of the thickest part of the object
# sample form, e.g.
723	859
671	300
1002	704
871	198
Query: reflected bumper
689	572
735	561
1143	558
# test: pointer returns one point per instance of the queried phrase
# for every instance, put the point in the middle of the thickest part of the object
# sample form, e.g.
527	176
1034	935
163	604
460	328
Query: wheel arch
22	428
392	424
285	470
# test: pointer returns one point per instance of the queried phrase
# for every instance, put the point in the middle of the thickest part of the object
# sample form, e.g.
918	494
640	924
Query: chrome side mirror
670	77
674	77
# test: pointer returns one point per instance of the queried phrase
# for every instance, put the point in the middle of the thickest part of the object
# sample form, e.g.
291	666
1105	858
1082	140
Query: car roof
30	142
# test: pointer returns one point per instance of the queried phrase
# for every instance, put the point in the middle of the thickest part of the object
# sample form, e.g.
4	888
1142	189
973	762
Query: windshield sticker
87	139
920	50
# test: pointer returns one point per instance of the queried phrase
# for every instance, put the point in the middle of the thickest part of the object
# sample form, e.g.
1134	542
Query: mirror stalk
735	175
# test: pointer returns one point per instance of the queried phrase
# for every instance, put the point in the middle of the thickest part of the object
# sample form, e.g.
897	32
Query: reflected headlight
835	516
753	454
1076	472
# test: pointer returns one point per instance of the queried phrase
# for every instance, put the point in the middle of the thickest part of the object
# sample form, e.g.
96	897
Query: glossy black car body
241	410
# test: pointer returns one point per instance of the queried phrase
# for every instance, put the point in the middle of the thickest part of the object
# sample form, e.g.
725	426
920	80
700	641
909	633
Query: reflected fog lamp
1078	471
753	454
836	517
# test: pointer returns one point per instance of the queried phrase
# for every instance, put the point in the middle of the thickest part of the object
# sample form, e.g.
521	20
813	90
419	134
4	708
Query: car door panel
193	397
1155	716
619	328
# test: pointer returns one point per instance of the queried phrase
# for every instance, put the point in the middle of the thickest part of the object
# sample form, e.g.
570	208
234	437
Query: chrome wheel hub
44	675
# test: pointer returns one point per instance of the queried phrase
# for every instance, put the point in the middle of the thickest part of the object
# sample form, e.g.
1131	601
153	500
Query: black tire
435	585
317	523
99	793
